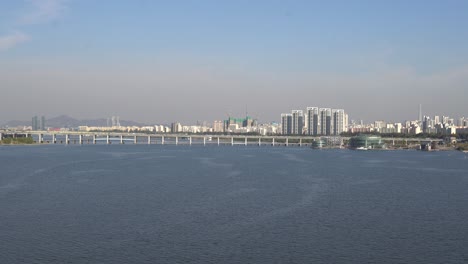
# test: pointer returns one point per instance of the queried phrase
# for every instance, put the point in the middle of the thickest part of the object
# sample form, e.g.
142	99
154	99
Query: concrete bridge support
232	141
149	140
177	140
259	141
245	141
218	141
80	139
108	140
190	141
162	140
54	139
67	140
300	142
134	139
287	142
204	141
94	139
273	142
40	139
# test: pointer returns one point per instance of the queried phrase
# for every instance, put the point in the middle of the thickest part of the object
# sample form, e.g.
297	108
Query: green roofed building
366	142
240	122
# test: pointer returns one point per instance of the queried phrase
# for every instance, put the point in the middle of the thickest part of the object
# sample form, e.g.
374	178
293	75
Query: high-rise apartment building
38	124
338	126
313	121
325	121
35	123
176	127
297	122
286	124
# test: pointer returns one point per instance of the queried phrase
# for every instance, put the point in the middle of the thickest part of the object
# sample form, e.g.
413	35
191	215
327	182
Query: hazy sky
163	61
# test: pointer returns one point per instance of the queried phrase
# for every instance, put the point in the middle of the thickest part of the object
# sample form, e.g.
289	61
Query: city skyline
305	111
156	62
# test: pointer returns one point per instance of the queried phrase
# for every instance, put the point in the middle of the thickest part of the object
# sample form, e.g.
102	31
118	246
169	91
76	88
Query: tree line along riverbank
17	141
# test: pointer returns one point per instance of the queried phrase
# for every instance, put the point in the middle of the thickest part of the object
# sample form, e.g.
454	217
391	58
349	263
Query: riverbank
17	141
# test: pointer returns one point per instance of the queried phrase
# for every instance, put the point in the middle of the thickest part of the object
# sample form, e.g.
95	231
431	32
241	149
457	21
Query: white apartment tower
325	121
338	126
286	124
297	122
313	124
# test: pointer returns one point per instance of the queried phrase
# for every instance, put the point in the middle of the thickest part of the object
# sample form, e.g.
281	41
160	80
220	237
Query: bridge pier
108	141
121	139
177	140
162	140
94	139
232	141
300	142
40	138
273	142
218	141
66	139
204	141
1	136
80	139
190	141
287	142
259	141
149	140
54	139
245	141
135	139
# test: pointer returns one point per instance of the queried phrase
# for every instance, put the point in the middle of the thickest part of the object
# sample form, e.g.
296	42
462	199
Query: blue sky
300	53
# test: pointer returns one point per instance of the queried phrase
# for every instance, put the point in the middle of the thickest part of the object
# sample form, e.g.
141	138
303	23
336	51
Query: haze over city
165	61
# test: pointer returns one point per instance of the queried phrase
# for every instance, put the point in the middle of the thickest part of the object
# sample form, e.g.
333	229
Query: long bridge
78	137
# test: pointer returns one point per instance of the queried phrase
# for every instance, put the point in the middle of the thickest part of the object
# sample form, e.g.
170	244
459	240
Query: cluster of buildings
428	125
231	125
314	121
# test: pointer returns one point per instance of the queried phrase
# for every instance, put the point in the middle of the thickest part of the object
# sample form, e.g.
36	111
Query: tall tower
420	113
35	123
297	122
338	121
42	124
312	121
286	124
325	121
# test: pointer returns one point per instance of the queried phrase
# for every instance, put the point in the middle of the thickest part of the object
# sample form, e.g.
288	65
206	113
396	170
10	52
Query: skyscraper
43	123
297	122
338	125
286	124
35	123
420	113
325	121
38	124
312	121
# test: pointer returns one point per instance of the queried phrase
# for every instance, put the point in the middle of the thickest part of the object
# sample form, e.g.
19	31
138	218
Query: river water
182	204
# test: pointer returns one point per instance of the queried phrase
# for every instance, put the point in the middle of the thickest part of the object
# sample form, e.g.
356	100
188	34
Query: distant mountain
67	121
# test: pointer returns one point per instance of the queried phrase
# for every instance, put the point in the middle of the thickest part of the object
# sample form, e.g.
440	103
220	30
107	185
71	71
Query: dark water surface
168	204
